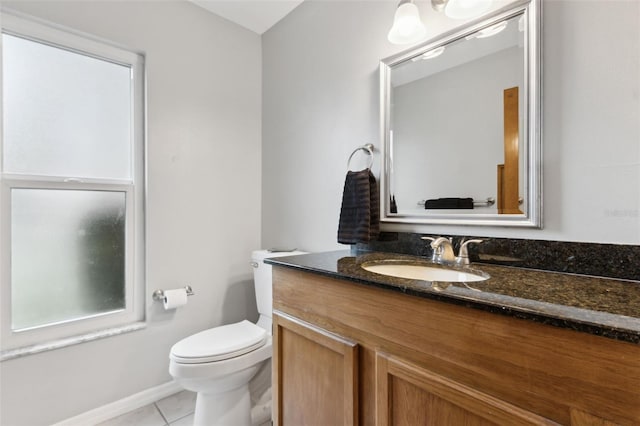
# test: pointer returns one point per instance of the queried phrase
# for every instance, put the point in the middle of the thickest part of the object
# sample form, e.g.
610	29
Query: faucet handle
436	251
463	254
432	239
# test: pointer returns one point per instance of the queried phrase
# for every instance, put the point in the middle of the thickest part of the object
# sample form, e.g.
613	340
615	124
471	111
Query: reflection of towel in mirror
360	212
449	203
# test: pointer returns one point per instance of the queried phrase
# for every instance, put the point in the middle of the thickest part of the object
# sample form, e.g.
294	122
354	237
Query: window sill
69	341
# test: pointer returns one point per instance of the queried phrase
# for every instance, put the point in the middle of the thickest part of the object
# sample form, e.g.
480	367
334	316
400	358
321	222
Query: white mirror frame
532	122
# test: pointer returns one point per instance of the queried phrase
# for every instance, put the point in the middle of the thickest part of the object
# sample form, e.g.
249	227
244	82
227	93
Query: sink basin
425	272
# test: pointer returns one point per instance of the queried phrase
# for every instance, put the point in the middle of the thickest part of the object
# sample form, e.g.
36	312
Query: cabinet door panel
412	405
582	418
316	375
411	395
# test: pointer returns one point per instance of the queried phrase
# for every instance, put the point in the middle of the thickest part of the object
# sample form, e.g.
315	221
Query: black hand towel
360	212
449	203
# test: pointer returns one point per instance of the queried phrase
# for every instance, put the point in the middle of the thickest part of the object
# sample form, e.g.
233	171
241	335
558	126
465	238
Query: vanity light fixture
492	30
489	31
461	9
433	53
430	54
407	26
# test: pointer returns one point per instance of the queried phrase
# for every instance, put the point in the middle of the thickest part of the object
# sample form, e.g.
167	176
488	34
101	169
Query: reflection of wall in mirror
448	131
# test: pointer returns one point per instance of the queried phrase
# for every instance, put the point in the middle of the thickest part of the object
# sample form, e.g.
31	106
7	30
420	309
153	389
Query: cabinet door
315	375
410	395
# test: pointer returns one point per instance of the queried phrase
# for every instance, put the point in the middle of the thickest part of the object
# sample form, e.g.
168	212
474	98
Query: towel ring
368	148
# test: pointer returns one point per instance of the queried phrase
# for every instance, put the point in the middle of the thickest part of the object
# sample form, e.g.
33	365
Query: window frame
103	324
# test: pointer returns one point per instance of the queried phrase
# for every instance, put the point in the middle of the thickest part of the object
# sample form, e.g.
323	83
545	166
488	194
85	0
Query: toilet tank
262	278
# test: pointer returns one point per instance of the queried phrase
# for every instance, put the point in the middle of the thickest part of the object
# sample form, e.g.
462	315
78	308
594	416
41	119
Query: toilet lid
219	343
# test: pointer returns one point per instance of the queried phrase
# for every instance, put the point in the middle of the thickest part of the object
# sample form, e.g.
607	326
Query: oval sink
424	272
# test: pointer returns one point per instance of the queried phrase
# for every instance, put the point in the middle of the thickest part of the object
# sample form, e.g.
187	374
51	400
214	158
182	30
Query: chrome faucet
463	254
443	251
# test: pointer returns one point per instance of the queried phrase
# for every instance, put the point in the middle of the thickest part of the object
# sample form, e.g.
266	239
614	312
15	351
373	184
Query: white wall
320	101
204	114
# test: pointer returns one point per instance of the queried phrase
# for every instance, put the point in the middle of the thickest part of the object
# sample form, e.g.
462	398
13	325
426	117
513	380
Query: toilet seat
219	343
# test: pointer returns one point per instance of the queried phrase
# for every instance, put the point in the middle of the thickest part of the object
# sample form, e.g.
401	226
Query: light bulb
407	26
464	9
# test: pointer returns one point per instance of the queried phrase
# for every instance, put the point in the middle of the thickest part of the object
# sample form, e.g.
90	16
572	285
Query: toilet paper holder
159	294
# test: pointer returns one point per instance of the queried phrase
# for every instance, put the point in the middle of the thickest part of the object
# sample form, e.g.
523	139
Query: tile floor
174	410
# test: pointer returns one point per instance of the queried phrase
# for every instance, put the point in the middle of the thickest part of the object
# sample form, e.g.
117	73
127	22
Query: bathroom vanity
523	347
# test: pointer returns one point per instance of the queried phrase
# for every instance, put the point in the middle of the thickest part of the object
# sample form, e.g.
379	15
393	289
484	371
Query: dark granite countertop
602	306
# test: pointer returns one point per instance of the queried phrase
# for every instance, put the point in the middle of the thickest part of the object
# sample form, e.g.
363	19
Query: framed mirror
461	125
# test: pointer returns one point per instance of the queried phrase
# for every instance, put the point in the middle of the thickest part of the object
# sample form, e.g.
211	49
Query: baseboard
122	406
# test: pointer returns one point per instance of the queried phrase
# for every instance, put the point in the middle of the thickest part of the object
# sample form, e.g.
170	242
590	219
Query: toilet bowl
220	362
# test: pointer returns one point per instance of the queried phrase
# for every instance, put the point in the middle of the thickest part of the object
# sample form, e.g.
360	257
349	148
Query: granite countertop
602	306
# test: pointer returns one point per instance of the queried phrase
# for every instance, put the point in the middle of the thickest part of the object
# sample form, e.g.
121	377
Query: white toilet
219	363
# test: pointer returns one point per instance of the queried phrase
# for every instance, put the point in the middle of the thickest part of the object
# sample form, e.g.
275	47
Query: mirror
461	125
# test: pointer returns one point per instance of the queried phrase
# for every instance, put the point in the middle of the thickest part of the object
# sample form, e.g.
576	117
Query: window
72	186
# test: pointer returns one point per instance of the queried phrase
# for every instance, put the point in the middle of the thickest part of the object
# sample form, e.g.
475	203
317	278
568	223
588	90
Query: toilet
220	362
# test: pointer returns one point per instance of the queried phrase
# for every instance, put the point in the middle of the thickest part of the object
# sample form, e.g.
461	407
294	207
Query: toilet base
223	409
224	396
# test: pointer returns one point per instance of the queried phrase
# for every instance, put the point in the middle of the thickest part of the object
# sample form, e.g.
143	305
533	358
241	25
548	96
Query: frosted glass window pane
67	255
65	113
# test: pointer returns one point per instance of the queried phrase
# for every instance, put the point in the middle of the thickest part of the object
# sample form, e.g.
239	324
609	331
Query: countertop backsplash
600	260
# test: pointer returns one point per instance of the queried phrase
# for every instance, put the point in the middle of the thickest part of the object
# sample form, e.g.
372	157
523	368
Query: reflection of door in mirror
508	183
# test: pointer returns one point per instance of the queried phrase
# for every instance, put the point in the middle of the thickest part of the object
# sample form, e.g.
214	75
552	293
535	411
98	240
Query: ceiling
255	15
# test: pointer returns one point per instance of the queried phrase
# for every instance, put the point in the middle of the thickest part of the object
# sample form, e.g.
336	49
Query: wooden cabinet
407	394
347	354
317	375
